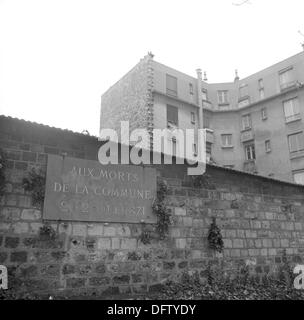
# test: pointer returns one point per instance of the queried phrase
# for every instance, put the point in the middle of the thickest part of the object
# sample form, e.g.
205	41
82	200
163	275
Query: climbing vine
2	176
35	183
162	213
215	239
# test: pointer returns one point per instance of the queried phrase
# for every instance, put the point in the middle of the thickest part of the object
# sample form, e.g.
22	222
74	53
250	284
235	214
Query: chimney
205	76
200	98
237	78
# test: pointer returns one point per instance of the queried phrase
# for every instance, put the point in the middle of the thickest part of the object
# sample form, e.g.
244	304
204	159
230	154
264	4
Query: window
296	142
262	94
250	152
243	90
246	122
298	177
286	78
206	122
222	97
267	146
261	84
208	150
243	103
291	109
192	117
172	116
171	83
174	147
226	140
264	113
191	88
194	149
204	95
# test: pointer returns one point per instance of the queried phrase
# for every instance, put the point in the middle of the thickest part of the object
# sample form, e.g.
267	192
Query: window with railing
171	85
244	103
291	110
250	152
246	122
296	142
243	91
286	78
172	116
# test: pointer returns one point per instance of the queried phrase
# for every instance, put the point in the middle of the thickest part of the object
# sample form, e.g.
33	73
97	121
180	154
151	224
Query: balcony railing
247	135
288	85
292	118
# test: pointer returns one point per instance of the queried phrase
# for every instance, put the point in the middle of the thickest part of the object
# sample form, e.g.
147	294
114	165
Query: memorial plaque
85	190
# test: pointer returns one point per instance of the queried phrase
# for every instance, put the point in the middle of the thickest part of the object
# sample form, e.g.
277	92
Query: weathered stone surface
19	256
11	242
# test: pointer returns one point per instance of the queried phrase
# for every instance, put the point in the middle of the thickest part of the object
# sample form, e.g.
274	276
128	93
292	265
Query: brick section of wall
259	218
130	98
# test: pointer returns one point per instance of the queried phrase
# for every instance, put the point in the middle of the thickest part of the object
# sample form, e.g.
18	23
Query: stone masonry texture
259	218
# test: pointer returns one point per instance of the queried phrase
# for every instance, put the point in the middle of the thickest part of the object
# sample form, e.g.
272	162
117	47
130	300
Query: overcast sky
57	57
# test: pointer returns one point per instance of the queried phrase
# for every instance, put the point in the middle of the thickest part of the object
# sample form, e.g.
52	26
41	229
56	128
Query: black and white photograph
151	153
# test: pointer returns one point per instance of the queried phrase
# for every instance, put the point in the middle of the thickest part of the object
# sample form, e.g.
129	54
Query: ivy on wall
162	213
35	184
215	238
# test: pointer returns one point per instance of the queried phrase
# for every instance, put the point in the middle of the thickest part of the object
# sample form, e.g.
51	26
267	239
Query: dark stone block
99	281
183	264
3	257
29	156
277	260
29	271
75	282
140	289
11	242
258	269
111	291
123	279
68	269
156	288
19	256
180	192
100	268
50	270
19	165
137	278
168	265
58	255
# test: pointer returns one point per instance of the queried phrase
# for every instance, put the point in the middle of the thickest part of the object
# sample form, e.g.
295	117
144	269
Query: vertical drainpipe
200	99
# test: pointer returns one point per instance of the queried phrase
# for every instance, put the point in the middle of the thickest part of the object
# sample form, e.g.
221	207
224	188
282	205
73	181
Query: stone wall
130	98
259	219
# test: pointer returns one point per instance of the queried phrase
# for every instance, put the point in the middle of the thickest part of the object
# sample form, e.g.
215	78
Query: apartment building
254	124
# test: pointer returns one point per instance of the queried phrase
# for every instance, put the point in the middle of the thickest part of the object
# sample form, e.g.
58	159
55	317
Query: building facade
254	124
